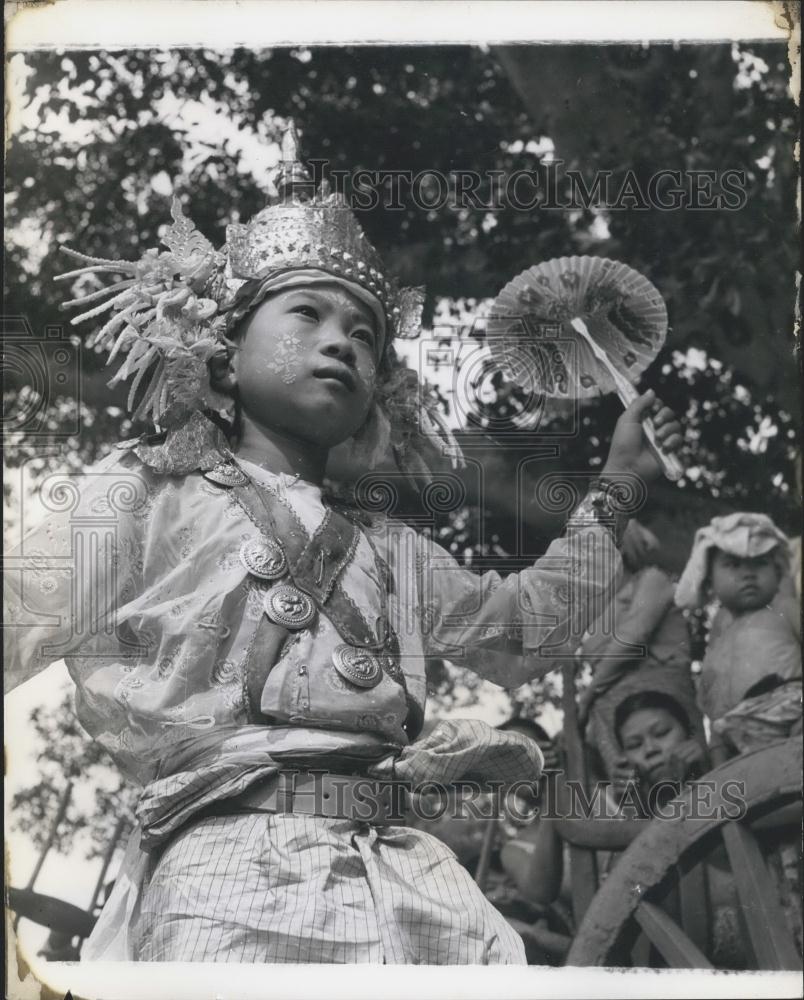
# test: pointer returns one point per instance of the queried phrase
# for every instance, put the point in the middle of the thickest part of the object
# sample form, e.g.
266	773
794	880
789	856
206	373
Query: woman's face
743	584
648	737
306	363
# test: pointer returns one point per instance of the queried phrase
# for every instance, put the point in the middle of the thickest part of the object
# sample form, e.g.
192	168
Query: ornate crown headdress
316	229
172	310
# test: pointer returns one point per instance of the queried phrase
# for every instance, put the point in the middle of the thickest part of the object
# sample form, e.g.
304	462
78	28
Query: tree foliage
110	130
101	797
106	138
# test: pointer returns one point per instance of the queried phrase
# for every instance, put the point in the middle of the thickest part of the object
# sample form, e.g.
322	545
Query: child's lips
338	373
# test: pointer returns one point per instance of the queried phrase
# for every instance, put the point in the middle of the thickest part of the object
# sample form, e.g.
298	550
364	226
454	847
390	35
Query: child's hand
685	756
630	452
656	589
552	760
623	773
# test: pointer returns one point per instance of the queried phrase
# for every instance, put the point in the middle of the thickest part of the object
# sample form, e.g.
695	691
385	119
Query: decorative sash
315	564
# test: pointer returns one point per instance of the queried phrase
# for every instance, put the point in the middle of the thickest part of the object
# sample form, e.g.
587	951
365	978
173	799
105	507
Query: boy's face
306	363
743	584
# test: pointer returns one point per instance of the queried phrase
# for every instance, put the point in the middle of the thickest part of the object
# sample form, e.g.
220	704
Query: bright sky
236	22
70	877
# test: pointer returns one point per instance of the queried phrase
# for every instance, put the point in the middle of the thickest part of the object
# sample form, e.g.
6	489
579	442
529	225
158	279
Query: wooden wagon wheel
50	912
625	908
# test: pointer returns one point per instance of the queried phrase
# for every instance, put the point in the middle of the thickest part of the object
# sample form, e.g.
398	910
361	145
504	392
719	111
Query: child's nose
335	342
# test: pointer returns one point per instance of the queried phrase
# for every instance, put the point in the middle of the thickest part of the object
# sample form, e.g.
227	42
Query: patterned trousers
261	887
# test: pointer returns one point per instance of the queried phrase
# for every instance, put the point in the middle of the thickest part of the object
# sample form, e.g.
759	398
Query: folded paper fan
577	327
532	319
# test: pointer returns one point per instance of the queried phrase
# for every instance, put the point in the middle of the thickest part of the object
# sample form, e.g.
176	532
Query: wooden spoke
641	952
584	880
764	917
669	939
583	864
786	815
490	836
556	945
693	892
50	912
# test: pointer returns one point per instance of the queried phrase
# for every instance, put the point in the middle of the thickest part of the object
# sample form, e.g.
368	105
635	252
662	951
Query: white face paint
306	363
287	360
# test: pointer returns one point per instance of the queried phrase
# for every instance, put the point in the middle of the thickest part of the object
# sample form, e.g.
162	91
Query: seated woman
646	730
658	737
658	744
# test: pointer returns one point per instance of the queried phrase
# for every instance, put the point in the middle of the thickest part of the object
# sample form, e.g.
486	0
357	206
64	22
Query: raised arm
637	618
515	629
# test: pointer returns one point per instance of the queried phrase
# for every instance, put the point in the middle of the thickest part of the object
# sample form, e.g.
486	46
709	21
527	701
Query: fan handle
671	466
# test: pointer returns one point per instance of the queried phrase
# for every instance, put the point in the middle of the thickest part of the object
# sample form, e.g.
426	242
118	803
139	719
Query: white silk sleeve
511	630
64	580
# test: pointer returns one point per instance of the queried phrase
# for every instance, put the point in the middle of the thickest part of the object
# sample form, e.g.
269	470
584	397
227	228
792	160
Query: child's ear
222	376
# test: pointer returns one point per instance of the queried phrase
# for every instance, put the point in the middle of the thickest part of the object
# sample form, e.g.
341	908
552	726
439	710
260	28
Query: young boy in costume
231	632
751	673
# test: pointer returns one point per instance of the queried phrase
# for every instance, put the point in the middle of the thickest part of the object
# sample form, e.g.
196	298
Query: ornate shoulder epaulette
226	474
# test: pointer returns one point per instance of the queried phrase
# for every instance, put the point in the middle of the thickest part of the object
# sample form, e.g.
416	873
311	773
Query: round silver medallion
226	474
357	666
263	559
288	606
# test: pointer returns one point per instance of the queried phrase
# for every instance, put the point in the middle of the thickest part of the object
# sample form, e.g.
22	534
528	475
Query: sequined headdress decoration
172	309
308	228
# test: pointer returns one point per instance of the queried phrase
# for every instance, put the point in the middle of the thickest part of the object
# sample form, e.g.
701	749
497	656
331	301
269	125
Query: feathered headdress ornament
170	314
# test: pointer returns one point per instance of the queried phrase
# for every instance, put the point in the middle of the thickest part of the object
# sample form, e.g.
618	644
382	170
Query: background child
751	675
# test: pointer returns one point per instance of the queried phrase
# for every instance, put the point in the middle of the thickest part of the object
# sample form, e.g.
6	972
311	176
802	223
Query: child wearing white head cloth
751	674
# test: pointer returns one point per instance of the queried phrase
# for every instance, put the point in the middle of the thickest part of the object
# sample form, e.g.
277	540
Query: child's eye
365	335
305	310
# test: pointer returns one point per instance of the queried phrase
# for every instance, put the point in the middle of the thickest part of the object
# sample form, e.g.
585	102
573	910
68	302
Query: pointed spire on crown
293	181
303	228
